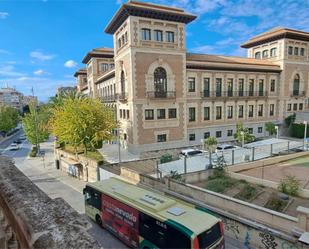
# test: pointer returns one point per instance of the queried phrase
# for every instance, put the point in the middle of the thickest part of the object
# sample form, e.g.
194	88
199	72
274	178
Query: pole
185	164
305	133
36	124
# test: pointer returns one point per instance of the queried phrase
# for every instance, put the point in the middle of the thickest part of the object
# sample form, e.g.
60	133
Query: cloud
3	51
41	56
70	64
39	72
4	15
9	71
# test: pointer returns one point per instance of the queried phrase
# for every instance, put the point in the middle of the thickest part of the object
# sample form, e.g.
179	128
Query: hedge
297	130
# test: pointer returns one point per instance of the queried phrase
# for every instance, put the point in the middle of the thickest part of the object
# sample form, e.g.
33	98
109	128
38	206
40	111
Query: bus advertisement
145	219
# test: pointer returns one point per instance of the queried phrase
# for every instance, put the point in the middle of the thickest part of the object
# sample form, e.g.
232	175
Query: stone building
11	97
167	97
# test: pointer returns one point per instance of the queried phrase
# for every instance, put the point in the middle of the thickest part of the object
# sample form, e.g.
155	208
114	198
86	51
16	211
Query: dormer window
158	35
258	55
170	36
265	53
146	34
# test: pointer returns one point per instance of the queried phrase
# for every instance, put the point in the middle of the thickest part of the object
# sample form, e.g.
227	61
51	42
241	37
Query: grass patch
276	204
220	184
301	161
247	192
90	154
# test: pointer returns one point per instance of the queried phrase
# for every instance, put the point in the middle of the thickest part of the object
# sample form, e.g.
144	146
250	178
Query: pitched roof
276	34
206	61
155	11
100	53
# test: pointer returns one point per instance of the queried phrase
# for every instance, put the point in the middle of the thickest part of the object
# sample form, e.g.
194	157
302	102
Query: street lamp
277	131
305	133
242	138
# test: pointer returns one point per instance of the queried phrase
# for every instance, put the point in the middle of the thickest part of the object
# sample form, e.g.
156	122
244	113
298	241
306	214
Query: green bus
145	219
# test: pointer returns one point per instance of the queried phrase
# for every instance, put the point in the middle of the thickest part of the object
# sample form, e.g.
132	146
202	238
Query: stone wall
30	219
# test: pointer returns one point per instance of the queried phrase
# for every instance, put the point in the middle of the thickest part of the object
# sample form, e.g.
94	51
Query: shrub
276	204
176	176
220	184
247	192
290	119
297	130
33	152
289	185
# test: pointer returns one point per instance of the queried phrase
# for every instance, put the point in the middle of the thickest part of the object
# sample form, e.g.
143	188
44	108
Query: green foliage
290	119
276	204
82	122
35	124
271	128
176	176
290	185
248	138
33	152
9	118
298	130
247	192
221	164
210	144
220	184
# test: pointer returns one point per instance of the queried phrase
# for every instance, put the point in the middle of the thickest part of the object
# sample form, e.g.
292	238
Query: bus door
93	204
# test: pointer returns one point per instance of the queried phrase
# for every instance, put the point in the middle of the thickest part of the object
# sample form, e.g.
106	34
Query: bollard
253	150
271	150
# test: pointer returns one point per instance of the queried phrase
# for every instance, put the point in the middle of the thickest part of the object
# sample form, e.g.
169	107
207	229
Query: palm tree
210	145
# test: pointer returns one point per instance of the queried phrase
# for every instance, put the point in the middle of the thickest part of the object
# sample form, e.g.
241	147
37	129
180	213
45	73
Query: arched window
122	82
296	85
160	82
258	55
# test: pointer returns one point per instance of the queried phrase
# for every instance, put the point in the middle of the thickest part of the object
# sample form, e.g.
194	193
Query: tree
210	145
82	122
271	128
35	124
243	133
9	117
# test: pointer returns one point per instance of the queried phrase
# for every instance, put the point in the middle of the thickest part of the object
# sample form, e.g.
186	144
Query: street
56	183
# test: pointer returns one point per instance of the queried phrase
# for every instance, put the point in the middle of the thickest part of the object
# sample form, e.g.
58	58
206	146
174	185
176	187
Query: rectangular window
124	113
241	87
160	113
230	112
206	89
146	34
218	87
300	106
271	109
273	52
206	135
126	37
251	87
250	114
260	129
191	114
158	35
149	114
120	113
191	84
302	51
240	111
104	67
161	138
229	133
172	113
218	112
272	85
170	36
295	107
218	134
296	51
119	42
260	110
250	130
265	54
290	50
289	107
229	87
128	114
261	87
192	137
207	113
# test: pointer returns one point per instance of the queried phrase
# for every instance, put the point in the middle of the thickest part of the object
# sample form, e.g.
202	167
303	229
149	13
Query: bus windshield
209	237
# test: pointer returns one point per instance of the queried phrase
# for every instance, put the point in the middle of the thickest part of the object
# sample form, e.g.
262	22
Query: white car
191	152
224	147
14	146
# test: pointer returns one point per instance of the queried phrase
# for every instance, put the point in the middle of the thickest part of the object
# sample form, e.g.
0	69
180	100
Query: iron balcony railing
225	94
122	96
298	93
109	98
161	95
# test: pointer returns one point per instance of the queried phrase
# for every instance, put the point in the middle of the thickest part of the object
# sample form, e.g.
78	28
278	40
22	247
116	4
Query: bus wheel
98	220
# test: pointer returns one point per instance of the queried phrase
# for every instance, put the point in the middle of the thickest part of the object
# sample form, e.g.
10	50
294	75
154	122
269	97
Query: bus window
93	198
210	236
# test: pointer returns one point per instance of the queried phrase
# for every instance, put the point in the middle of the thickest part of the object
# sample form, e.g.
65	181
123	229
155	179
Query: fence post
288	147
185	164
271	150
157	168
233	157
253	150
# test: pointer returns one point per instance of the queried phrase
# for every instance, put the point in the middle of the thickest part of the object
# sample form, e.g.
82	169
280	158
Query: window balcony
297	93
123	97
161	95
109	98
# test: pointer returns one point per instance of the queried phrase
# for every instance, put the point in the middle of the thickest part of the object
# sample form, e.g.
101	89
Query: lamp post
305	133
242	138
277	131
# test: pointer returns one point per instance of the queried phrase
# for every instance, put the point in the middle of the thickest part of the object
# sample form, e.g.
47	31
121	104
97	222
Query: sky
42	42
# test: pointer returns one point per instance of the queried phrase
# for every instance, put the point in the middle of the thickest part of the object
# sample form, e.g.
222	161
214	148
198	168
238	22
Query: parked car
14	146
18	141
191	152
22	137
224	147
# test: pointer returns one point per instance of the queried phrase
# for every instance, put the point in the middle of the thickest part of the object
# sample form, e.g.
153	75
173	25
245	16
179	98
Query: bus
145	219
